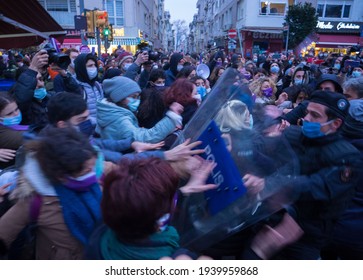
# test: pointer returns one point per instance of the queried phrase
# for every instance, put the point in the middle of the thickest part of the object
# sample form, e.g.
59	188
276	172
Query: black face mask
86	128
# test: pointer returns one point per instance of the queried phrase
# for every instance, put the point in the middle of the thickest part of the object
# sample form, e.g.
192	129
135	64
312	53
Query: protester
10	130
57	189
116	115
86	74
138	202
328	173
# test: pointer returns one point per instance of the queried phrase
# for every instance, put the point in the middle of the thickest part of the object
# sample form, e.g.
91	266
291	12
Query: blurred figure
216	73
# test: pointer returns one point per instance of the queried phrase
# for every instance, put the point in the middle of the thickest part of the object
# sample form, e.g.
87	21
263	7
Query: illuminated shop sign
339	26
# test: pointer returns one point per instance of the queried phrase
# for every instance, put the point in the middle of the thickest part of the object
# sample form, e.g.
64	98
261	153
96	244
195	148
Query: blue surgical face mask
179	67
9	121
255	60
337	66
298	81
86	128
356	74
133	104
251	121
275	69
40	93
202	91
313	129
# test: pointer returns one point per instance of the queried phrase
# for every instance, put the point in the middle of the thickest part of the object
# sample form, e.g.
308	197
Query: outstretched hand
183	151
198	177
142	147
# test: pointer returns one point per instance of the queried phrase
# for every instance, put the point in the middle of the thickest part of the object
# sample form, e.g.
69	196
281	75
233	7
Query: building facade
259	24
132	21
340	26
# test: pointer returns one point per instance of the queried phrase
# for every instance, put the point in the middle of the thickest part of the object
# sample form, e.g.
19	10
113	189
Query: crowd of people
92	169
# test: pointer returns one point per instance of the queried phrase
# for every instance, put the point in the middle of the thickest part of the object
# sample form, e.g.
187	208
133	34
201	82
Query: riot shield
206	218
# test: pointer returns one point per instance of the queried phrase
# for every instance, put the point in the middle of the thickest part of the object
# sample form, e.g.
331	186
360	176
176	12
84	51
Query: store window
333	9
115	9
274	7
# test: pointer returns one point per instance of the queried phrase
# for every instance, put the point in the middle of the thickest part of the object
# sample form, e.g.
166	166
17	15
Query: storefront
261	41
336	37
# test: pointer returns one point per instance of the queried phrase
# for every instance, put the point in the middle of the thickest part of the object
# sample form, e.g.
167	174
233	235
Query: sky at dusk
181	9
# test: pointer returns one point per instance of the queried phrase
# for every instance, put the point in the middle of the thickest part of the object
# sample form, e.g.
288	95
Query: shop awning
337	40
25	23
119	41
71	42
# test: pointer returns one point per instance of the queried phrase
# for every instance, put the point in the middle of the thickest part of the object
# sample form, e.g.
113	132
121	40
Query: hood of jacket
32	179
81	69
108	112
174	61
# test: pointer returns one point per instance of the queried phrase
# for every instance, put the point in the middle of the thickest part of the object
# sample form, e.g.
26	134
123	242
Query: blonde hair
258	85
233	115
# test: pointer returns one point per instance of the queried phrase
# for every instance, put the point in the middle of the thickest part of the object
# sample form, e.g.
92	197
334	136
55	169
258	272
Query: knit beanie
119	88
123	56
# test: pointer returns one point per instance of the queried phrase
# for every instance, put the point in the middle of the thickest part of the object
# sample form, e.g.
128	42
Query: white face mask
160	85
198	98
72	63
92	73
179	67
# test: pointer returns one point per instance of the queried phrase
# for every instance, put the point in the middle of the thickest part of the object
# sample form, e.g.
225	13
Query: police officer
327	177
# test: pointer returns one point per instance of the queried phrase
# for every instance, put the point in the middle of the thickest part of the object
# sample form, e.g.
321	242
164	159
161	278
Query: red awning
335	40
31	14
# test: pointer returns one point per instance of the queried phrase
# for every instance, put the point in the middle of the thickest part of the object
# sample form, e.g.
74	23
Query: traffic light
110	36
90	24
106	31
101	19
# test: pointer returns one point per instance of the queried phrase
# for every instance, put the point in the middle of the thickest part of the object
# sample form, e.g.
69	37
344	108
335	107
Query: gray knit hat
119	88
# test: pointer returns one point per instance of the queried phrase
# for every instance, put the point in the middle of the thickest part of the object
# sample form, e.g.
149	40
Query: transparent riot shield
206	218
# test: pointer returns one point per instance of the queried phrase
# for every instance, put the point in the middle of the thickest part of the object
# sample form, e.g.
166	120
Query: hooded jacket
91	89
53	238
172	72
114	122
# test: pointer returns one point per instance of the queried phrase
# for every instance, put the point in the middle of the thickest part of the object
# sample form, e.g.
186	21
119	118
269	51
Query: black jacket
34	112
329	170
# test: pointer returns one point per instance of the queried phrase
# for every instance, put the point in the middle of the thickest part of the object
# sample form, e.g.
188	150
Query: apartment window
115	9
334	9
274	7
59	5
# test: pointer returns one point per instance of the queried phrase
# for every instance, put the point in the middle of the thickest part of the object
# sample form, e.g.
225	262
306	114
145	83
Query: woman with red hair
183	92
139	198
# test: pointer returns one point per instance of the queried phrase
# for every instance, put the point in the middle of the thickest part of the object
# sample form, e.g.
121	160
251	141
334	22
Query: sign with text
339	27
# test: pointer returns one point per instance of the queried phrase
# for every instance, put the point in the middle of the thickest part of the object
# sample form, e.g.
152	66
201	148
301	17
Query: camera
144	48
60	59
